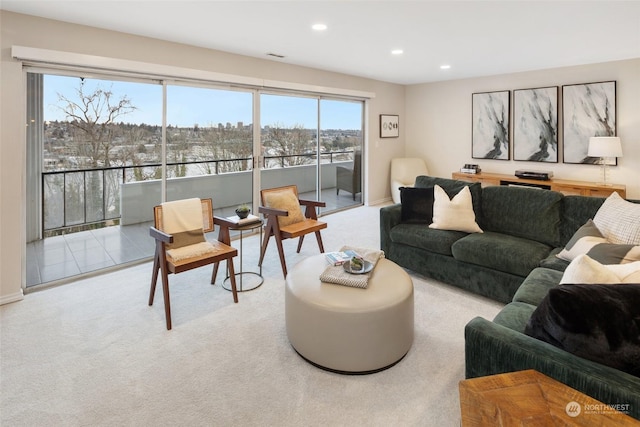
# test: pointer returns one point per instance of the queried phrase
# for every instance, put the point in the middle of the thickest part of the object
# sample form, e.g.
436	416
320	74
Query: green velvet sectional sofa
513	261
521	229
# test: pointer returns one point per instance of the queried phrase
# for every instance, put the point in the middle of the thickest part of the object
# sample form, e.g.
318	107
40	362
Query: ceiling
476	38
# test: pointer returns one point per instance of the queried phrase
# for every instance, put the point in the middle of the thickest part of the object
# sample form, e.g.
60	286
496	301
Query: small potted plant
243	211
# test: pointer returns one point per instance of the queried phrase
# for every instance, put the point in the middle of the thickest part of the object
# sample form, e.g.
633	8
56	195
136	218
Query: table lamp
604	147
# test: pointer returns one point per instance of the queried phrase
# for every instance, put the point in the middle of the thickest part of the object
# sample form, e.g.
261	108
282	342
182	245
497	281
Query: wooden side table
529	398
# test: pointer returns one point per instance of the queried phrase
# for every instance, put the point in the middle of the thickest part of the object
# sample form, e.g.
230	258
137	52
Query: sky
187	106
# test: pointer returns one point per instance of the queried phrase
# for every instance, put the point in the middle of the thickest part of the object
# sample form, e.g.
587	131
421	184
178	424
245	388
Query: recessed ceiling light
445	67
397	52
319	27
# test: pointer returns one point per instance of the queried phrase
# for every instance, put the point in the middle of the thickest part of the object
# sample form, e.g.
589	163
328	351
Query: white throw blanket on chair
183	220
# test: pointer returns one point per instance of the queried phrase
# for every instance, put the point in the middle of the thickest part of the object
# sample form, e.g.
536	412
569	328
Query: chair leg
300	243
281	253
165	292
263	249
232	277
319	239
154	278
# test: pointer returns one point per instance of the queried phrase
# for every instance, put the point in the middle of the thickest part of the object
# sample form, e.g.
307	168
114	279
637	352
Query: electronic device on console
470	168
533	174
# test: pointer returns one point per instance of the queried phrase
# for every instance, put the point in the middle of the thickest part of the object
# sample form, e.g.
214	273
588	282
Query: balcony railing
77	199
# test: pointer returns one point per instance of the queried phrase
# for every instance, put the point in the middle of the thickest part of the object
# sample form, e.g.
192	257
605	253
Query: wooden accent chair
178	230
284	219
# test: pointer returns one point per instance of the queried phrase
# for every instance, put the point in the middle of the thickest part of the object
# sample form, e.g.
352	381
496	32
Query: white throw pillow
455	214
619	220
585	270
628	273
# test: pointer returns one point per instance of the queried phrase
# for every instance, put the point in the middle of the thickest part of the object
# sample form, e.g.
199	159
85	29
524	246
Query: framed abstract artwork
389	126
588	110
535	124
490	125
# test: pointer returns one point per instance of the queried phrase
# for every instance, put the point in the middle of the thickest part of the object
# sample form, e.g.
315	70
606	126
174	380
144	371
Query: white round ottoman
346	329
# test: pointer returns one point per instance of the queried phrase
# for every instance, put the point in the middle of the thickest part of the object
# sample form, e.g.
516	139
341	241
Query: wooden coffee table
529	398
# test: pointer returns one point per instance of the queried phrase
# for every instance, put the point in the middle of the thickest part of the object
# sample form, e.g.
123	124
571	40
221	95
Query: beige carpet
92	353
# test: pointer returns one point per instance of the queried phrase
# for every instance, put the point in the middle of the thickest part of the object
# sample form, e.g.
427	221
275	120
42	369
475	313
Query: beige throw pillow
285	200
585	270
454	214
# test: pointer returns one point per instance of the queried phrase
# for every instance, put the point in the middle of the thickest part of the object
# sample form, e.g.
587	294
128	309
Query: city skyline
188	106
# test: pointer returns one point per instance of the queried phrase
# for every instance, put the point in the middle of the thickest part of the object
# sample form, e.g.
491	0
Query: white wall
438	121
28	31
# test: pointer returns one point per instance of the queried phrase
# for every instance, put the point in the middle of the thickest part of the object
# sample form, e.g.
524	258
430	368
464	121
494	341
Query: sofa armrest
494	349
389	217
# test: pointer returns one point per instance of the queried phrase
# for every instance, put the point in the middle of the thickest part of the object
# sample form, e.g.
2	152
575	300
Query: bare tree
93	116
293	144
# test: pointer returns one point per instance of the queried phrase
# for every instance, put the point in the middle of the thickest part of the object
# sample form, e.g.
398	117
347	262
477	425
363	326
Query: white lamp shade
604	146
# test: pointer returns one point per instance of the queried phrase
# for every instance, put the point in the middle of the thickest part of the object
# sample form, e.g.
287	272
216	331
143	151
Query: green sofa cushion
522	212
421	236
515	316
553	262
500	252
536	285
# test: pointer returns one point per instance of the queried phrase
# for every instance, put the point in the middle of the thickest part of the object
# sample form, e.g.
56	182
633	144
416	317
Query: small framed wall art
490	125
587	110
535	124
389	126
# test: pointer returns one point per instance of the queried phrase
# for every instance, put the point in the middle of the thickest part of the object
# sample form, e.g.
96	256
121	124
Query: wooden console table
529	398
567	187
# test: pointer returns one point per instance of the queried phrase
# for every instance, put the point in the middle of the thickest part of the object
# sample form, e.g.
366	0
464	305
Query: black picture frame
389	126
535	124
588	109
491	112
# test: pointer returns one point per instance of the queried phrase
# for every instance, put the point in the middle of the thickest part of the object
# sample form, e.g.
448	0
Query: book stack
339	258
243	221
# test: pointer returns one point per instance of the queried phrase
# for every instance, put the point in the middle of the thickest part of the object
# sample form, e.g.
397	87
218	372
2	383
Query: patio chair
178	230
281	208
348	179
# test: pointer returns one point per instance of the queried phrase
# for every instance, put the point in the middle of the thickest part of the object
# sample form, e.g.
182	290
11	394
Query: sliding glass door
341	148
289	143
209	149
315	143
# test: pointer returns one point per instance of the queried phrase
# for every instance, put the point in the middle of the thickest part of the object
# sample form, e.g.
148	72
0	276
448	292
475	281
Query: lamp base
605	173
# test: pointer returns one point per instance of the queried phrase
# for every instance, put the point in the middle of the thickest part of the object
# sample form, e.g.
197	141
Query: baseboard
385	200
7	299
